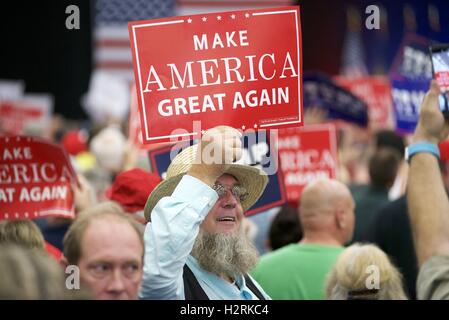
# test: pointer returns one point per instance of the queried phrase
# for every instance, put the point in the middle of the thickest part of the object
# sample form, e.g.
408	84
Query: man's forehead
109	240
99	231
227	179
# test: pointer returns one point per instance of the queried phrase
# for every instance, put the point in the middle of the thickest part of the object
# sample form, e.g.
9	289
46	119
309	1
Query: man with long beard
195	246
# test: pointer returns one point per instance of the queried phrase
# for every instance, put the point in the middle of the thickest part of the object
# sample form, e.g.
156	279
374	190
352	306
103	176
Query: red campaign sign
134	128
35	179
376	93
240	68
15	114
307	154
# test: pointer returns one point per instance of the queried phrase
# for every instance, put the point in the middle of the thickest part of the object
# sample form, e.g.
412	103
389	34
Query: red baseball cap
75	141
131	189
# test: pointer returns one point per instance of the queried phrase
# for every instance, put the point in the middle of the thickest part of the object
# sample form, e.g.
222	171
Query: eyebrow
113	263
93	263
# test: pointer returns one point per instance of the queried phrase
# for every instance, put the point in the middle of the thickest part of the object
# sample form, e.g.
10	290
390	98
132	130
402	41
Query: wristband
418	147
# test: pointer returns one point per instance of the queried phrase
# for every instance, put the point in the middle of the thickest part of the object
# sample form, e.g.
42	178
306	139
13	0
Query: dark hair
285	228
389	138
384	166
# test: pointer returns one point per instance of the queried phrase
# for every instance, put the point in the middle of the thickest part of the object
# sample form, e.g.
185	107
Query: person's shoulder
318	247
432	282
279	254
393	209
321	252
357	189
269	262
332	250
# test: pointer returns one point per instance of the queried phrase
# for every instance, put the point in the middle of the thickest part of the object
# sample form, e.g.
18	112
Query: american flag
353	65
186	7
353	57
112	51
112	48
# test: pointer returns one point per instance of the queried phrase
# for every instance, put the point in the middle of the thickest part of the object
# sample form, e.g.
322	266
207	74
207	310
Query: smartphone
440	68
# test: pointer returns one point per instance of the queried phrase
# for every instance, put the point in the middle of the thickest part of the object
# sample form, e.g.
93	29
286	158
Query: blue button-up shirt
169	239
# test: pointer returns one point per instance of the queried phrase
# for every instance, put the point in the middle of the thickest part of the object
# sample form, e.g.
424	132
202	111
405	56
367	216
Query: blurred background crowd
75	87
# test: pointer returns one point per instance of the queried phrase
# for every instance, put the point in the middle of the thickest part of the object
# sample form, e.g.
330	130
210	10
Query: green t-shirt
296	271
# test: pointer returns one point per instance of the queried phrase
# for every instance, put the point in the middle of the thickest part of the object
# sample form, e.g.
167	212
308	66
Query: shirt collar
214	281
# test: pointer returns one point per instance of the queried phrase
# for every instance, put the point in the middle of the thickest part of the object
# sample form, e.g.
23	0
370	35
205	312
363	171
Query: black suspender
251	286
193	290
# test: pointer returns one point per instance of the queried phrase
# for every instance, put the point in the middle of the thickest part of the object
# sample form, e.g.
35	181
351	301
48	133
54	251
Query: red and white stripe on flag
112	50
188	7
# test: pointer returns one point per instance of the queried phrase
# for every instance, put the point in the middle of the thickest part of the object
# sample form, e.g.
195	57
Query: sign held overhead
241	68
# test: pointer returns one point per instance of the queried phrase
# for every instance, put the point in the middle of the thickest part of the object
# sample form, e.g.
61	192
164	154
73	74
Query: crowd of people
137	236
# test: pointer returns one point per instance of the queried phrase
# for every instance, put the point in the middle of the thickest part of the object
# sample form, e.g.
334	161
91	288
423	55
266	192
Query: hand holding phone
440	67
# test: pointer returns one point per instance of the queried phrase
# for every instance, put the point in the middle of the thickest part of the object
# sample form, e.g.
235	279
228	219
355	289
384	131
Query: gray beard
225	254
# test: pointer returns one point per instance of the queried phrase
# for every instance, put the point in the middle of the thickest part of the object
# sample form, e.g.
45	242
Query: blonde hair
348	278
21	232
30	274
73	237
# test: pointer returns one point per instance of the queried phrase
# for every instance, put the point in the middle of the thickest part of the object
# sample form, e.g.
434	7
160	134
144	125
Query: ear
267	244
63	262
340	218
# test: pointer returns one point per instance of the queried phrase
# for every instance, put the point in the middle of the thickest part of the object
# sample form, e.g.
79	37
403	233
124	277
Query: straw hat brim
252	179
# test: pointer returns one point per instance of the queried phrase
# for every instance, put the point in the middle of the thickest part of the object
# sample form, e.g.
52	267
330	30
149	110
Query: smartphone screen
440	66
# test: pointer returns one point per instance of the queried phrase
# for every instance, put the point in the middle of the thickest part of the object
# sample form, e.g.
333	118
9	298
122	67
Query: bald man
298	271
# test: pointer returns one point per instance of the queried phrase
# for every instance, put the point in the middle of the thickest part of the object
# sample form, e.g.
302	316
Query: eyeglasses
237	191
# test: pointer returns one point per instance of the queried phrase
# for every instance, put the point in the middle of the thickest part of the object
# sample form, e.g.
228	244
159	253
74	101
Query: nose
116	284
229	200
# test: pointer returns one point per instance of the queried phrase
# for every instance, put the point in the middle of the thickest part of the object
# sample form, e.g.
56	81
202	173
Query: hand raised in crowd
426	196
432	125
83	194
218	148
314	115
131	156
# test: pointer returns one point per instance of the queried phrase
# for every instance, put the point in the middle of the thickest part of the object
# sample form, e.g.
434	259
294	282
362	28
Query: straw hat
252	179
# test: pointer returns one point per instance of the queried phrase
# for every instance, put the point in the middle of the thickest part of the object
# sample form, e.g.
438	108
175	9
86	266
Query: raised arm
176	220
427	199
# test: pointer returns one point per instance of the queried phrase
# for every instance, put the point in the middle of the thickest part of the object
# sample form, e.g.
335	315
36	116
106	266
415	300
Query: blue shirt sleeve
170	236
